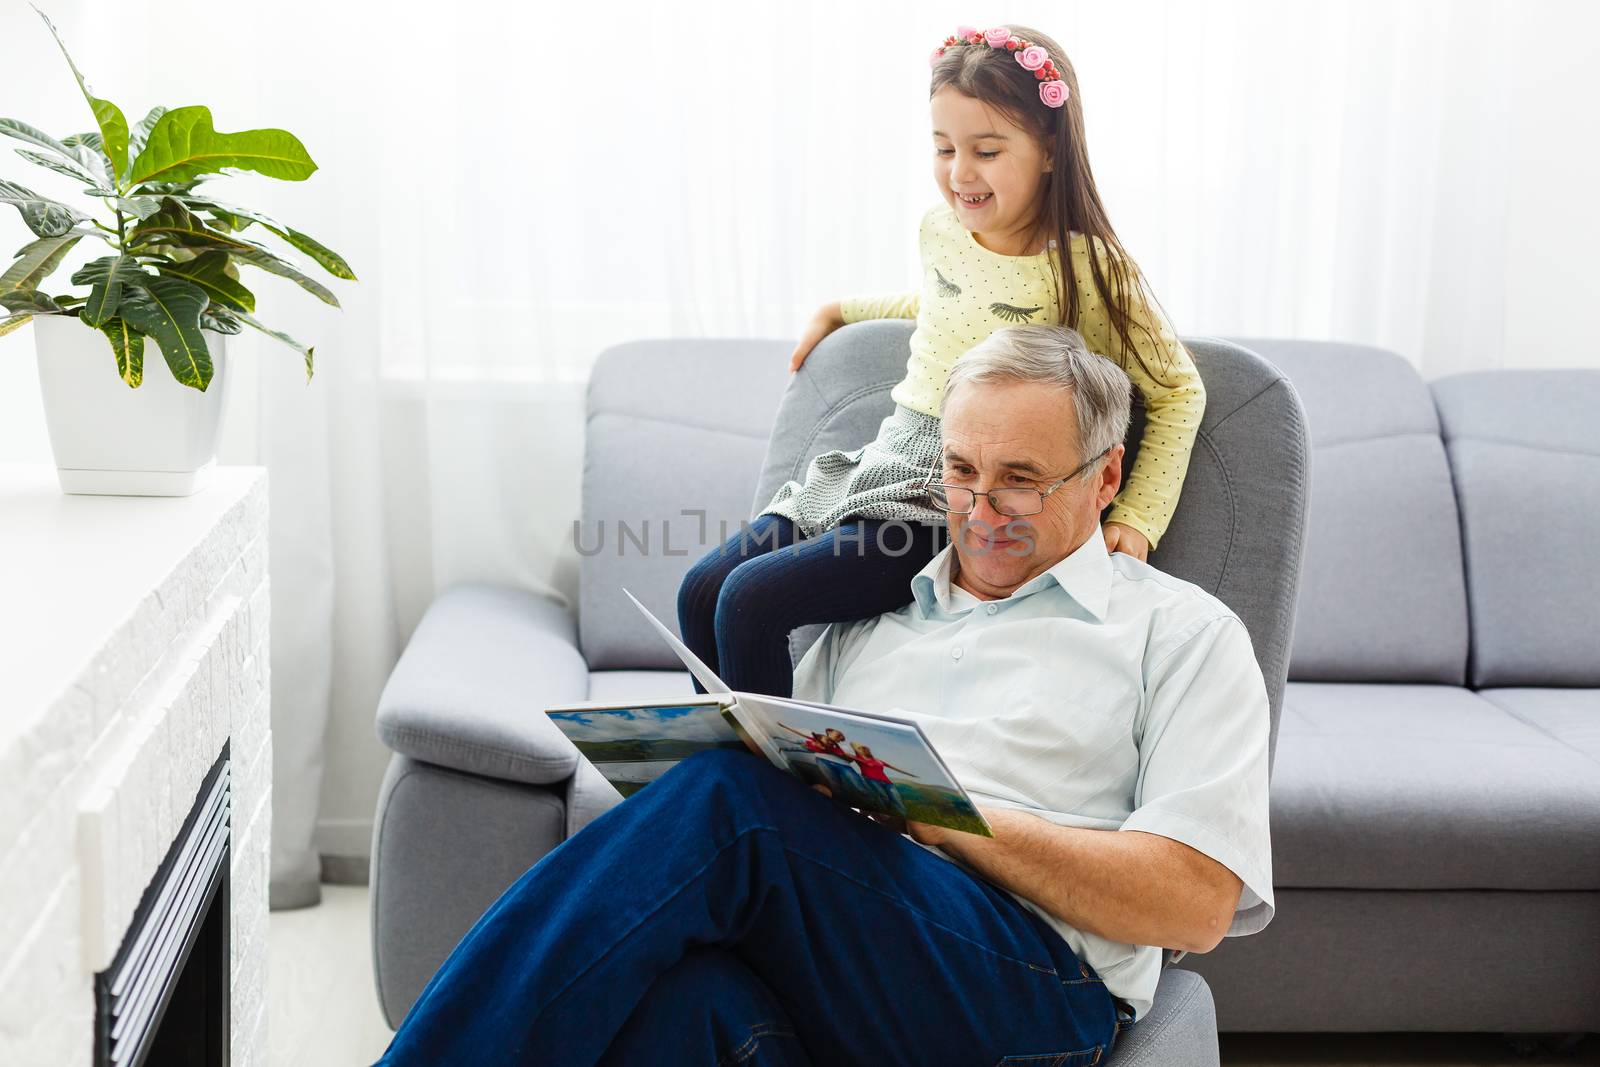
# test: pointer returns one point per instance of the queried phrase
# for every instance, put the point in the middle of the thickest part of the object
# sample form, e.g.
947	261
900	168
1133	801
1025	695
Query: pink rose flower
1033	57
933	60
966	32
1053	93
997	37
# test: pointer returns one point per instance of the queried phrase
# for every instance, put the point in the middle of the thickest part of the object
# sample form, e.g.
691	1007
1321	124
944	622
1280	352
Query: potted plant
171	277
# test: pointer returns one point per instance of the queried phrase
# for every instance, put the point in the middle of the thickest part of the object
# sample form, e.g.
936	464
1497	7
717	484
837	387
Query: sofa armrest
588	796
471	688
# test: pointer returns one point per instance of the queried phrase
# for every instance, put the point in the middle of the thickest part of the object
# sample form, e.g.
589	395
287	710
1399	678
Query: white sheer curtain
520	187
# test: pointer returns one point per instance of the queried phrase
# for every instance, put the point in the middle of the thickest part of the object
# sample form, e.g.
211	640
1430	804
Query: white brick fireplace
133	646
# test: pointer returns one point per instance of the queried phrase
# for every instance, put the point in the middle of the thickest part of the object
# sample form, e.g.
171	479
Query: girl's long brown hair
1071	202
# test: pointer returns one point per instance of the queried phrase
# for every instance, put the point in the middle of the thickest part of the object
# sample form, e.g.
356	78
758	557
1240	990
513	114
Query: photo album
878	763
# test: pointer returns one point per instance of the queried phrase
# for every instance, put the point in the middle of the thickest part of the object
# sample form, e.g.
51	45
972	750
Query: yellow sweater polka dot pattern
968	292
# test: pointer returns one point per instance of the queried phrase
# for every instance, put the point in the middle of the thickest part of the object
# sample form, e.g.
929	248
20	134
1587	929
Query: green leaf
183	144
155	255
92	161
285	338
107	275
141	132
31	301
127	344
36	260
235	216
81	231
257	256
227	220
45	217
89	150
73	170
212	272
14	322
325	257
221	321
34	136
113	127
176	224
140	207
166	188
168	309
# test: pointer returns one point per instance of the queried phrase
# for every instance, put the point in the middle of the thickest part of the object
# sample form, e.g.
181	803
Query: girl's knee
756	586
702	584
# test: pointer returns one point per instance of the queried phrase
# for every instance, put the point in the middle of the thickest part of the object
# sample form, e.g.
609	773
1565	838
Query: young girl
1020	237
877	782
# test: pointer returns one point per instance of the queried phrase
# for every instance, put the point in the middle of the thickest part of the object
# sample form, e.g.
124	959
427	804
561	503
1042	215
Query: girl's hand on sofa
1126	539
827	319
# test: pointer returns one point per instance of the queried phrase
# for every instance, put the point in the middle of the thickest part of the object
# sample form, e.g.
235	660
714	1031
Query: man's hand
1127	540
921	832
927	834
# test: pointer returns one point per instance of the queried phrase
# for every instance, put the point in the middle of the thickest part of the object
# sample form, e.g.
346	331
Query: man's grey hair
1053	355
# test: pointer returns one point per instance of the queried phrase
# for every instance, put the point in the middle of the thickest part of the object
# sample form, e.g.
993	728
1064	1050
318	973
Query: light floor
322	1009
324	1012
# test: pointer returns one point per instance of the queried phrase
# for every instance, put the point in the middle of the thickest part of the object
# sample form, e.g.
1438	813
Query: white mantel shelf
133	644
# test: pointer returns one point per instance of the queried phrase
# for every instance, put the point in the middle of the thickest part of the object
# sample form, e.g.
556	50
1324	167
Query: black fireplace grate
167	990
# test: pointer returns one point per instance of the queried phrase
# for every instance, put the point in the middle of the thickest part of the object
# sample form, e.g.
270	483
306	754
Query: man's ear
1110	476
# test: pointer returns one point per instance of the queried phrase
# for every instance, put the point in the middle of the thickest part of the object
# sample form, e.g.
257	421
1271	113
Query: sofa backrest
1524	449
675	435
1240	523
685	426
1382	598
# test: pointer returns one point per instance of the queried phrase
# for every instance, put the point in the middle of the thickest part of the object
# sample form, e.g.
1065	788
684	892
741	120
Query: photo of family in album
855	777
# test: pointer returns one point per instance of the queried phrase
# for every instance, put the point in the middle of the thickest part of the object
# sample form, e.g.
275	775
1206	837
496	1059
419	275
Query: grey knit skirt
883	480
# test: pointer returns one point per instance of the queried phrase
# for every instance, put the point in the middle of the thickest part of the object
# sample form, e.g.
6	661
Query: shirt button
992	608
955	653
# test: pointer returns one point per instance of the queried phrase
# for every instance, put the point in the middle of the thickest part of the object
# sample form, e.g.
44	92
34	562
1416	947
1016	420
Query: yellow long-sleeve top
968	292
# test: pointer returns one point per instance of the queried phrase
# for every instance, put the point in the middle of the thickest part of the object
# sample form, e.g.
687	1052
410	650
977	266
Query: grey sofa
1436	787
481	786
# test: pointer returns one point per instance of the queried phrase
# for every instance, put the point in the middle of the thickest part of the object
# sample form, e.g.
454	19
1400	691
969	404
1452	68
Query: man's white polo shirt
1102	693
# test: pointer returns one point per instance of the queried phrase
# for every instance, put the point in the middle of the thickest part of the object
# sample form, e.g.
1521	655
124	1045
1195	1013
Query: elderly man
1110	720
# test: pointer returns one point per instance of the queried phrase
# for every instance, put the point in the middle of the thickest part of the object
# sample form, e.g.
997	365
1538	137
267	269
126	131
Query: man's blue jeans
729	914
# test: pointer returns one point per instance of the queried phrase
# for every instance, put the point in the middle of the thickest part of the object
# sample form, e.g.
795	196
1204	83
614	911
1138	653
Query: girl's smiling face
990	170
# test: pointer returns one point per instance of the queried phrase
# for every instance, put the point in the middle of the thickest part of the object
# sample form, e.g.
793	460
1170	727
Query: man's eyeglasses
1010	502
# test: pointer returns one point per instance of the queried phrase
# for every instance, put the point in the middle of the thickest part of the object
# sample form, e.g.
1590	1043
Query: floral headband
1052	90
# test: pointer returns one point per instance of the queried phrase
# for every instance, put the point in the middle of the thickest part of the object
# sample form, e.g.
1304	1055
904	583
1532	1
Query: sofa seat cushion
1427	787
1179	1030
1571	716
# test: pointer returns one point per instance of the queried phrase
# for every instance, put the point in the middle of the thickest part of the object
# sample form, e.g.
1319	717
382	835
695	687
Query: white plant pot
157	440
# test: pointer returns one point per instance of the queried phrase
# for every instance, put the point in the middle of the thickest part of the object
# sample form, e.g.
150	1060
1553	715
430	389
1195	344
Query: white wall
1553	241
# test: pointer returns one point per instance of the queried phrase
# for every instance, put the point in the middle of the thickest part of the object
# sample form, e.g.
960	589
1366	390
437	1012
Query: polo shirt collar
1084	575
